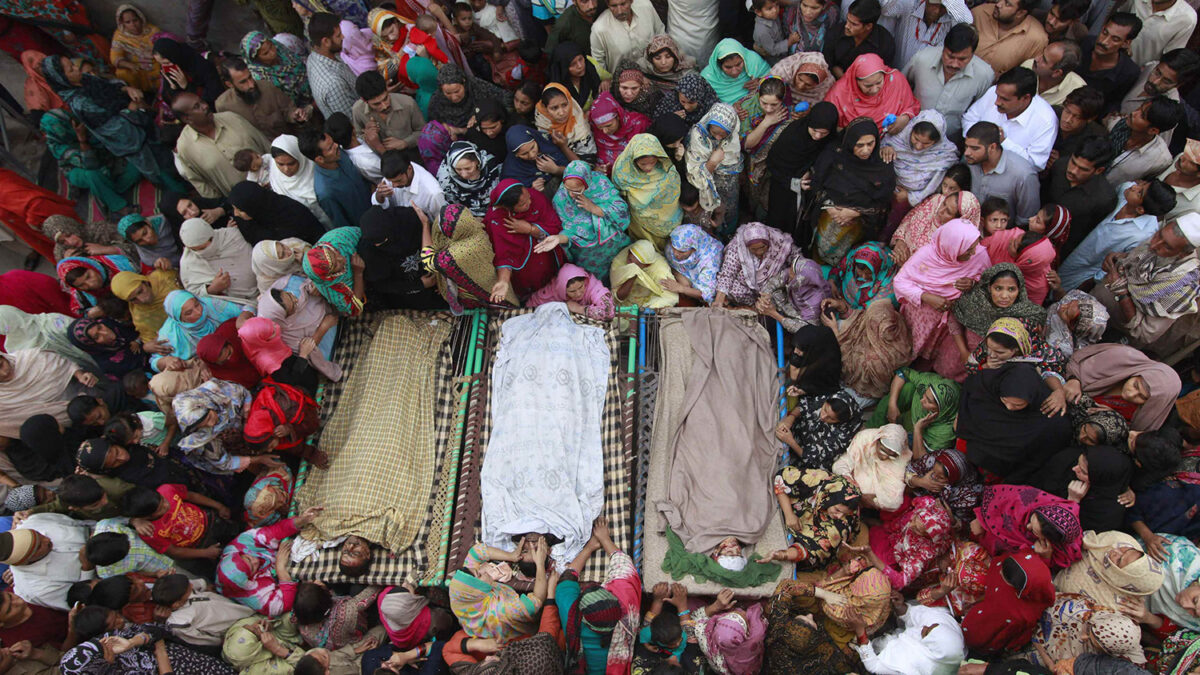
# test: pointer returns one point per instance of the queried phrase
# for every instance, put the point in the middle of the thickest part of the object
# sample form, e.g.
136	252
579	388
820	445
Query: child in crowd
184	525
256	168
995	215
495	21
663	638
693	213
195	616
770	38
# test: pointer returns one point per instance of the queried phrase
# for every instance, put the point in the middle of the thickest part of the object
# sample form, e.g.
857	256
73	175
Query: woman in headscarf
926	286
1175	601
463	261
98	656
791	159
468	175
46	451
650	184
269	60
796	640
920	399
1001	421
733	70
821	512
634	93
754	256
518	220
794	298
594	220
875	342
1076	321
570	67
262	214
96	238
222	351
1007	338
216	262
272	260
810	20
487	607
1114	568
947	475
211	417
819	429
333	264
764	117
268	498
185	70
87	280
1105	471
1078	624
920	156
246	571
1125	379
852	191
189	320
664	64
132	49
262	340
1011	518
47	330
583	293
113	345
910	542
806	75
451	109
918	225
528	153
34	381
1019	588
714	163
38	94
1180	652
86	166
282	416
559	116
1031	252
145	295
871	89
696	256
815	363
961	587
613	127
491	126
637	275
300	312
292	175
732	641
177	207
112	115
864	275
152	239
390	247
876	460
690	100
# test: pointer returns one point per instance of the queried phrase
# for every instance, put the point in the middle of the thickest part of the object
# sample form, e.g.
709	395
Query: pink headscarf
935	266
605	109
556	291
263	344
738	639
895	97
357	50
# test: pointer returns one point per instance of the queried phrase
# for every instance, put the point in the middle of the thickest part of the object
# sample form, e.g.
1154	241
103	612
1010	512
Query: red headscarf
1007	615
275	405
238	368
38	94
895	98
531	270
604	110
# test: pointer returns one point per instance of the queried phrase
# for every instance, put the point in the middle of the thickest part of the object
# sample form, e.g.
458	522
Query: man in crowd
1008	33
1106	63
1027	120
1055	70
208	143
331	80
386	120
261	103
574	25
43	557
996	172
859	34
923	23
1137	140
341	130
625	27
407	183
340	188
1166	25
1077	121
1076	183
951	77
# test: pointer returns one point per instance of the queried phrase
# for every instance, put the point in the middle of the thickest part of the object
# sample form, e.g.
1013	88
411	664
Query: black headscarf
1109	472
795	152
560	63
202	76
1010	444
822	360
391	248
273	216
475	92
44	453
852	182
168	206
496	147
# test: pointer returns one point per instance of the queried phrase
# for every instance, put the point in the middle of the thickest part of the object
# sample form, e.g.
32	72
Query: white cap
733	563
1189	225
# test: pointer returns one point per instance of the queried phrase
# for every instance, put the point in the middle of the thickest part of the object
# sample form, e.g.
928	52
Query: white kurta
47	581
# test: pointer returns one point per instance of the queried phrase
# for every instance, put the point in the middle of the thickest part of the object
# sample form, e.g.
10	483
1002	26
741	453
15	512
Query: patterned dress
594	240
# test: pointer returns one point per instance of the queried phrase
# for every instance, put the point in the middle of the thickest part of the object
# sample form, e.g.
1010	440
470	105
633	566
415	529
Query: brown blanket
723	455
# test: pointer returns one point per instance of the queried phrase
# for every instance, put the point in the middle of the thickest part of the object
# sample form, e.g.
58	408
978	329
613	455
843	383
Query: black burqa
168	205
44	452
821	362
391	248
841	178
202	77
272	216
559	71
1109	471
1012	444
792	156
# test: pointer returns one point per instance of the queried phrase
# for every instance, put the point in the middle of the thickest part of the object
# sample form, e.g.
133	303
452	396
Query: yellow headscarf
147	318
646	291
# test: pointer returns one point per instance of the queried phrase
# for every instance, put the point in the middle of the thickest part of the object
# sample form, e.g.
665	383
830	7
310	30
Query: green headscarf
730	89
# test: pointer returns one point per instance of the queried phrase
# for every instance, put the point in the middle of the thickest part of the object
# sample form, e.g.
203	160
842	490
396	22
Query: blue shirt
1112	235
342	192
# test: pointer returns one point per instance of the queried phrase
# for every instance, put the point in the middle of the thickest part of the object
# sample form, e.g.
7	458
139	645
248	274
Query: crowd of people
976	222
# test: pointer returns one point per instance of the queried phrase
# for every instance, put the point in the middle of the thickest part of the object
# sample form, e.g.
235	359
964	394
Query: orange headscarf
38	94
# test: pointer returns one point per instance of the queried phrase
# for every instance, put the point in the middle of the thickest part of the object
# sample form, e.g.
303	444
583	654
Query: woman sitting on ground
211	418
253	568
72	238
583	293
639	274
755	256
794	298
874	342
594	219
521	218
1125	379
334	266
1011	518
216	262
714	165
876	461
300	312
87	280
650	185
487	607
612	128
153	240
694	255
825	424
1103	471
821	513
948	475
919	225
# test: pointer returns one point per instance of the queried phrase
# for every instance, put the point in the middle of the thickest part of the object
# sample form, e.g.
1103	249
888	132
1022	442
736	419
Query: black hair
112	592
987	133
961	175
866	11
168	135
134	378
230	65
340	128
1183	61
1096	150
393	163
114	308
78	490
321	26
1159	198
1013	574
277	295
442	624
1160	449
140	502
356	570
530	89
169	590
1128	20
80	592
925	128
688	194
120	429
1088	99
772	86
1023	79
80	407
242	161
960	37
1072	55
91	622
106	548
133	229
509	198
369	85
309	142
308	665
839	408
531	53
73	275
312	603
1164	114
490	111
1070	10
462	7
1029	239
665	628
1027	5
1005	340
550	94
756	6
1050	531
992	205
